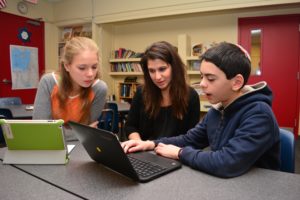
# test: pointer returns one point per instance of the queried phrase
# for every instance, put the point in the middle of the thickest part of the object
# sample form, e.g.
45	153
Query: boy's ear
238	82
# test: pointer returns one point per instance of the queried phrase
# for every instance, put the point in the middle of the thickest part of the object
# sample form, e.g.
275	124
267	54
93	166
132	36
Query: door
278	62
12	25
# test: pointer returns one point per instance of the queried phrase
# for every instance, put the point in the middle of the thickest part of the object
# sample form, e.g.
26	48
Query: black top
165	124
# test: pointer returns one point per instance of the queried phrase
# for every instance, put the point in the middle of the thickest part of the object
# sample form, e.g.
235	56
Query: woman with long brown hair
165	105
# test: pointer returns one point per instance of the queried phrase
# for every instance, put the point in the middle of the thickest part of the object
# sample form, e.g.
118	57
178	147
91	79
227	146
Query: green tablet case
34	141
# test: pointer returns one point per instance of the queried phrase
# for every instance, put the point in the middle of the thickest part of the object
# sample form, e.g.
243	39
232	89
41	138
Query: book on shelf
67	34
200	48
136	67
125	53
197	49
128	89
137	55
126	67
128	53
76	31
195	65
125	90
86	31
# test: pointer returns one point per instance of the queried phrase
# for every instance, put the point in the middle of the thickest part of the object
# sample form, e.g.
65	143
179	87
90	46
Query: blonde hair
72	48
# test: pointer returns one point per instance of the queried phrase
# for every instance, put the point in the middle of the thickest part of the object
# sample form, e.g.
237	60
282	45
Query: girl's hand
94	124
137	145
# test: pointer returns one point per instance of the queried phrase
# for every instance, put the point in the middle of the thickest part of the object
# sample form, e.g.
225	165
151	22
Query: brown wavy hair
72	48
179	91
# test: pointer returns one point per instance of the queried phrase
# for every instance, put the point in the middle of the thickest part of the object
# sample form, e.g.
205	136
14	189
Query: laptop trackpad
152	157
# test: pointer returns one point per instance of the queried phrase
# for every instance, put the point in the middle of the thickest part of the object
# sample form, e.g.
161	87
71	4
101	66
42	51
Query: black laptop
104	147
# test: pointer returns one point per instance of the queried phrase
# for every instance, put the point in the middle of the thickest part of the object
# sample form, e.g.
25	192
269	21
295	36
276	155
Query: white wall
119	10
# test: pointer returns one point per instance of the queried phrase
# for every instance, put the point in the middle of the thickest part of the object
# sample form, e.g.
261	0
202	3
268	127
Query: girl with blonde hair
75	91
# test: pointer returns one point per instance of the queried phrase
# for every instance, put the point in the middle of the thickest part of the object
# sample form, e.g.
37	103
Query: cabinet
193	65
125	62
127	90
67	32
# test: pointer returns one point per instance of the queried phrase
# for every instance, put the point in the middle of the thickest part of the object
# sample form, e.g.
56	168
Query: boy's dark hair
229	58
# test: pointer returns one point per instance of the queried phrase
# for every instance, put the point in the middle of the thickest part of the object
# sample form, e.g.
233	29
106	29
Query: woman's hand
134	136
167	150
137	145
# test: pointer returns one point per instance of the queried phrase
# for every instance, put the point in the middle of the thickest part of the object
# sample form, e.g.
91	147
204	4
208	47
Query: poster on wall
24	67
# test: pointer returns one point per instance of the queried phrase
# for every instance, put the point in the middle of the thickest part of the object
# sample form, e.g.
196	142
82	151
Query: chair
287	151
4	114
115	125
106	120
10	101
109	118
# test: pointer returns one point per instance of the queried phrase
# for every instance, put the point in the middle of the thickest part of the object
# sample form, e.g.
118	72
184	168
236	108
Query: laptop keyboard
143	168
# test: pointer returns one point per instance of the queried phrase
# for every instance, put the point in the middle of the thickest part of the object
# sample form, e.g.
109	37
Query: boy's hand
167	150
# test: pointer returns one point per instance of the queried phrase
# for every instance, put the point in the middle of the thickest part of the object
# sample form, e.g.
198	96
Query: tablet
34	141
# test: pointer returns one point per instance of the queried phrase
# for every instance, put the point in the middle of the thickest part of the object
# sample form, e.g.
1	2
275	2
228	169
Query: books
75	31
66	34
86	31
125	53
195	65
126	67
128	89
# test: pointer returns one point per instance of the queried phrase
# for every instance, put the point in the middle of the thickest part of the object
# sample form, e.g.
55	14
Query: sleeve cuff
155	142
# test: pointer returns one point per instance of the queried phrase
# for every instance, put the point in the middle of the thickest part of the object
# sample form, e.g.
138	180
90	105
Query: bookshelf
67	32
122	66
185	51
193	65
127	91
126	73
125	66
121	35
125	62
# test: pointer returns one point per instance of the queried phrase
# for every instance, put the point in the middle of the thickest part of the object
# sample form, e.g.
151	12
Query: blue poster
24	67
